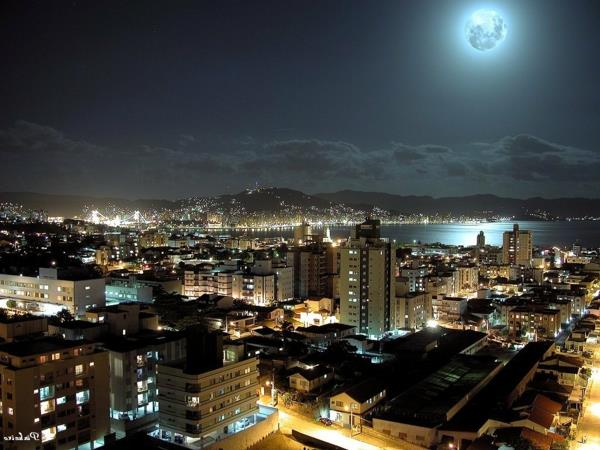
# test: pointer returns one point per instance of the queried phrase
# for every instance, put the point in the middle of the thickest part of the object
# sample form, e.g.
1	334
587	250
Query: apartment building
199	282
266	282
133	374
517	247
202	399
254	288
55	389
313	269
51	292
448	309
415	278
468	278
412	310
534	321
366	280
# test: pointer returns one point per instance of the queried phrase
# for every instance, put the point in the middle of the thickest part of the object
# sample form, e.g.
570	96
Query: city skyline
256	225
153	102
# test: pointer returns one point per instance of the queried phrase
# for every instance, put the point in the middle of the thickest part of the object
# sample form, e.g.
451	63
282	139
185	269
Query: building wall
253	435
37	388
257	289
285	283
414	434
221	397
412	311
10	330
517	246
366	286
72	295
133	389
448	309
544	324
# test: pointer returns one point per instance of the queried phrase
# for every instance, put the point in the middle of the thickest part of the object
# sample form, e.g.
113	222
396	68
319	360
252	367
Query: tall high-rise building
366	280
480	240
133	390
517	247
312	269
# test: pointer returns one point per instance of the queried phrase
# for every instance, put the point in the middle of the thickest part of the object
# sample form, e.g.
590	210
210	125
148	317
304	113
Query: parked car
325	421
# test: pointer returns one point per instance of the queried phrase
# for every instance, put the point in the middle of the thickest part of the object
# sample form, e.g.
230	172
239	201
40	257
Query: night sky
174	99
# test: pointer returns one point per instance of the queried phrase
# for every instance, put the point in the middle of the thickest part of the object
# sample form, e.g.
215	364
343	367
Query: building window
47	407
46	392
78	369
48	434
82	397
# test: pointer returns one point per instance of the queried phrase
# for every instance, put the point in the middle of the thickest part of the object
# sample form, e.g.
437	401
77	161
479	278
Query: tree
64	315
11	304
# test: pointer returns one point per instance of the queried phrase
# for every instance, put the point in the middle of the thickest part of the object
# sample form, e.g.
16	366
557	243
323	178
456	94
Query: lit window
46	392
78	369
48	434
82	397
11	411
47	407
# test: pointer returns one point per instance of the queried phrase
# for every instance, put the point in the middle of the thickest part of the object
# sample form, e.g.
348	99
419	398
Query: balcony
193	429
192	387
193	415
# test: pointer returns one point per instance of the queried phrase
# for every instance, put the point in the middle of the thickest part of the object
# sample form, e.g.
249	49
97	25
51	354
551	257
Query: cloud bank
41	158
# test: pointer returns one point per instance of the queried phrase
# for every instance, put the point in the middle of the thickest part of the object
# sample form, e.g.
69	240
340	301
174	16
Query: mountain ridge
281	199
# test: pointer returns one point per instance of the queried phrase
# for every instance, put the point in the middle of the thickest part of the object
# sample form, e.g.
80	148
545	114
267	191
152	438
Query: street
291	420
588	428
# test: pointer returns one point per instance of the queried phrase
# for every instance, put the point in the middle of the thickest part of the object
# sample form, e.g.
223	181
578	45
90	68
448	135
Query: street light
352	407
273	389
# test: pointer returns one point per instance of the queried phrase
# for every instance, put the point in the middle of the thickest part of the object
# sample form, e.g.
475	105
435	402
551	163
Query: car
326	421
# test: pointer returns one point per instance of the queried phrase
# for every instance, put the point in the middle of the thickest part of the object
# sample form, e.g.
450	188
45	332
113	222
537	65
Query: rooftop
39	346
429	401
144	338
76	324
363	390
323	329
310	374
15	318
485	404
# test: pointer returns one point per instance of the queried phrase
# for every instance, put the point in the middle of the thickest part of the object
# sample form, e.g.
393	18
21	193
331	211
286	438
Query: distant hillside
273	199
281	200
72	205
467	205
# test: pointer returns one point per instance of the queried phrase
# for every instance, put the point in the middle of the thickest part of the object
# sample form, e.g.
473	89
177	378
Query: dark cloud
524	144
456	169
523	163
407	155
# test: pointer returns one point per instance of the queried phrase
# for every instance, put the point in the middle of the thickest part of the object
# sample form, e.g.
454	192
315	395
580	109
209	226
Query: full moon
485	30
